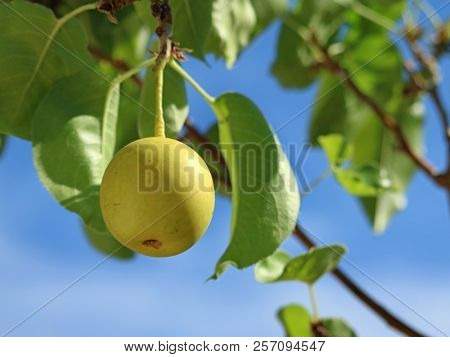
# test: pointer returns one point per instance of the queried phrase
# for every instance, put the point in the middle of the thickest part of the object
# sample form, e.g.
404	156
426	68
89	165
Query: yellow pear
157	197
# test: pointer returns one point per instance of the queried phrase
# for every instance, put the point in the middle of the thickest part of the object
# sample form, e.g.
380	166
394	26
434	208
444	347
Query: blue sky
43	250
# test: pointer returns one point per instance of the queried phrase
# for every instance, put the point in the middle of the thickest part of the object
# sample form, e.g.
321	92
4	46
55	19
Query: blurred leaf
337	149
67	144
265	194
296	321
365	181
267	11
109	124
175	104
143	11
3	139
307	268
104	242
233	22
336	110
399	167
375	65
31	62
126	41
338	328
192	23
295	64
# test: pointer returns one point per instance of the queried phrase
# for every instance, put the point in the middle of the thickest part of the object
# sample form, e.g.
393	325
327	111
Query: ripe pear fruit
157	197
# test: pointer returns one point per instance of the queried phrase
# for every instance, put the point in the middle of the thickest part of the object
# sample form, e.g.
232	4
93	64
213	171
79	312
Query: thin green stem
315	310
210	99
159	88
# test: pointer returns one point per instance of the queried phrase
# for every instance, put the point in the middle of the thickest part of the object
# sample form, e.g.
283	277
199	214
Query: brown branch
390	318
389	122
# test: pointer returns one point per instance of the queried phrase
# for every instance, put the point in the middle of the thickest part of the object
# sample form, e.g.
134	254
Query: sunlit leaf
265	194
307	268
233	24
296	321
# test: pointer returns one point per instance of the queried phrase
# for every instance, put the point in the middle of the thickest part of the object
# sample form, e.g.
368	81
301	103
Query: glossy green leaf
104	242
265	194
67	145
296	321
192	24
175	104
295	64
31	62
233	23
307	268
338	328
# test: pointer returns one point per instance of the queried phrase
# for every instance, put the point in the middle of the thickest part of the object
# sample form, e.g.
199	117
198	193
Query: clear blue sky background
43	250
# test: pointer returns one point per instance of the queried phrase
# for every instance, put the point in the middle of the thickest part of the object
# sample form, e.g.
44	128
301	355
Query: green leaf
295	64
265	194
384	148
307	268
338	328
67	146
31	62
109	123
126	41
336	110
375	66
364	181
3	139
267	11
271	268
208	151
296	321
104	242
233	23
175	104
192	23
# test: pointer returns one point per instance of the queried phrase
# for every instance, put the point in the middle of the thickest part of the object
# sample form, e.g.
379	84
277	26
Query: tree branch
389	122
193	134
